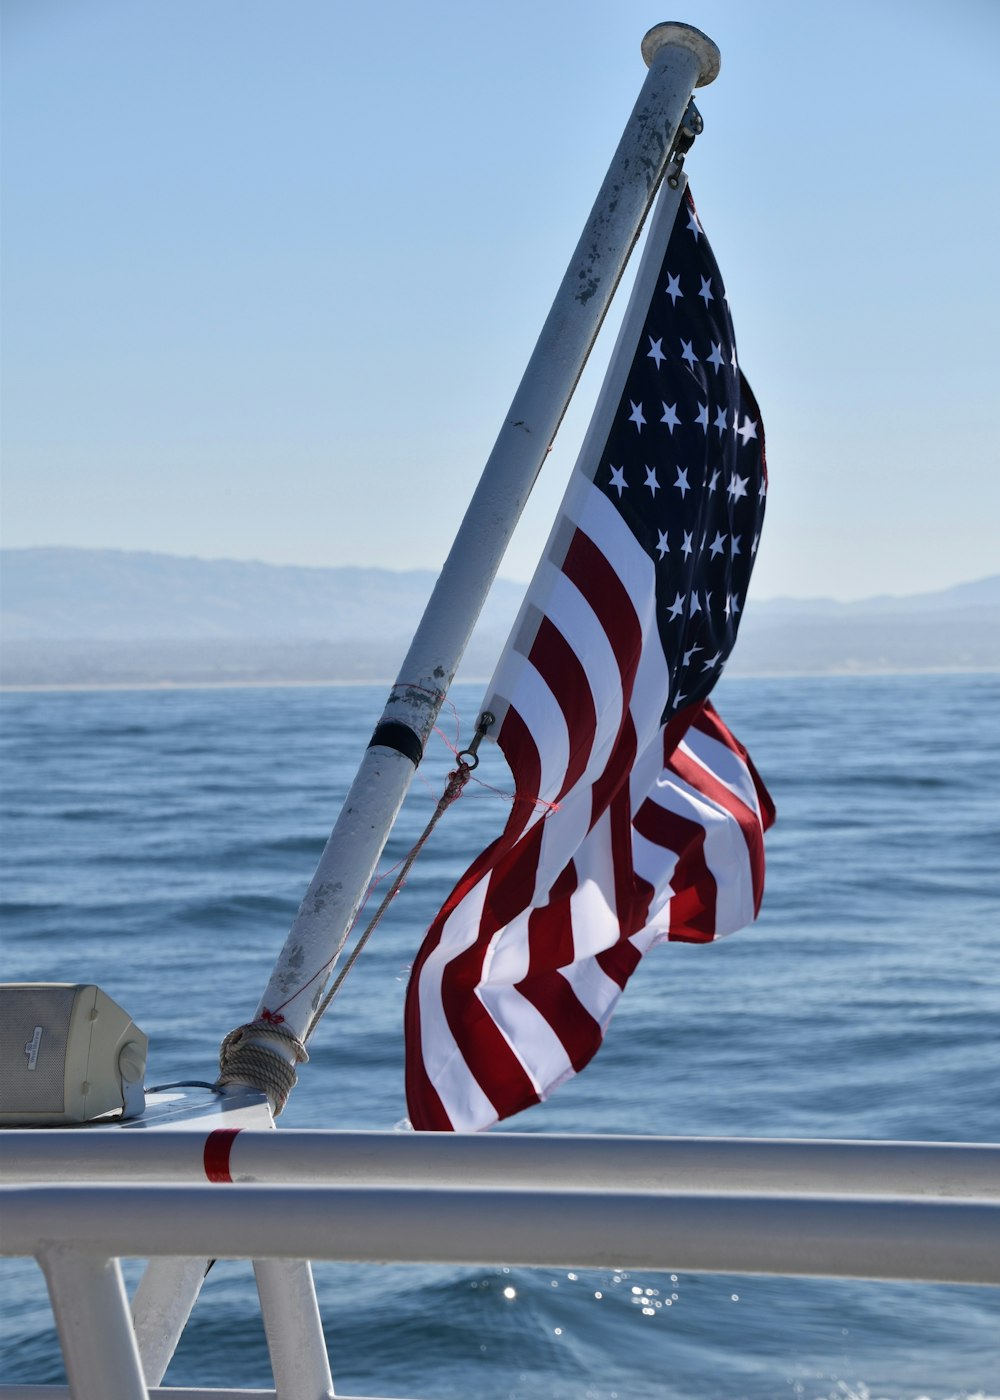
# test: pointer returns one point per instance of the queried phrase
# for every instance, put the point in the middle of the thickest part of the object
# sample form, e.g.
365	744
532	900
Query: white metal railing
853	1237
156	1392
512	1160
901	1211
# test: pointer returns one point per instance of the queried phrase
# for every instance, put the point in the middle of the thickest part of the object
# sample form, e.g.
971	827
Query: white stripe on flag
535	703
529	1035
724	853
573	616
722	763
443	1060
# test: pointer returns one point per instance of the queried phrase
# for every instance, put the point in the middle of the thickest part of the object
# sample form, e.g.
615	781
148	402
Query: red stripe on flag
486	1054
554	999
423	1102
619	961
518	746
467	1018
632	895
489	1058
692	902
550	934
550	928
561	670
678	725
614	780
746	818
591	572
611	602
710	722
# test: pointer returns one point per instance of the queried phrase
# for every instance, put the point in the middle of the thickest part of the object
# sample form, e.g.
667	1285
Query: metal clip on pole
691	127
470	756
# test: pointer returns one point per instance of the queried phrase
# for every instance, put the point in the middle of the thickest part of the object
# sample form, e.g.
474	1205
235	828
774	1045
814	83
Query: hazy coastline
74	619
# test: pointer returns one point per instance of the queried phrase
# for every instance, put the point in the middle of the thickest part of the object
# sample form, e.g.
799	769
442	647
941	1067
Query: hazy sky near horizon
272	272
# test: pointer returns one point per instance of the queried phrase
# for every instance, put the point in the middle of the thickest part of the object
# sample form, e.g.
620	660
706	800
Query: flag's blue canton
684	463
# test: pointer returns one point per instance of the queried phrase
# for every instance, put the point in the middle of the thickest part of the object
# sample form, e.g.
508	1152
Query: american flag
638	817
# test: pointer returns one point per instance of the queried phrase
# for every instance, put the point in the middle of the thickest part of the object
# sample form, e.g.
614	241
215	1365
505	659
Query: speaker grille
35	1017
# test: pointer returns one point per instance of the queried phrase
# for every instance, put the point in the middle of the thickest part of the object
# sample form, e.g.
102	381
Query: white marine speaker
68	1054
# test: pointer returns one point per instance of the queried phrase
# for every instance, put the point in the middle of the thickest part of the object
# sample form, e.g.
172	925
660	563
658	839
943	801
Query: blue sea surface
158	842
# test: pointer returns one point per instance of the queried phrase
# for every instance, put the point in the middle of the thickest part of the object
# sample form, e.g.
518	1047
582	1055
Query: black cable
184	1084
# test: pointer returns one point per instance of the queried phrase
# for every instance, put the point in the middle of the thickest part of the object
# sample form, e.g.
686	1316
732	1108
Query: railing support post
294	1329
91	1310
163	1302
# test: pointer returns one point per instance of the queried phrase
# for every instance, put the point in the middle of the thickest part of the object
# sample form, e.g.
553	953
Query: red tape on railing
218	1146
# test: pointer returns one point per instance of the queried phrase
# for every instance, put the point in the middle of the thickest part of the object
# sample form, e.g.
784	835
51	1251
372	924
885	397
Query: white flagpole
680	58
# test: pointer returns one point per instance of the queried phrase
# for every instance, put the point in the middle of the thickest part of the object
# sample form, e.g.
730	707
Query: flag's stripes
521	1024
744	777
442	1072
437	971
637	817
735	842
561	670
539	987
587	566
725	765
573	617
594	988
528	805
601	602
558	1003
619	962
535	710
510	891
670	822
532	951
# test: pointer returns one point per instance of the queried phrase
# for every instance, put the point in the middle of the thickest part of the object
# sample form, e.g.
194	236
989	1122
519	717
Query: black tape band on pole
390	734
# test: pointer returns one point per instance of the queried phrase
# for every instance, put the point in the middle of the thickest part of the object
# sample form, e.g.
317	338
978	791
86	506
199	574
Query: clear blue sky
271	272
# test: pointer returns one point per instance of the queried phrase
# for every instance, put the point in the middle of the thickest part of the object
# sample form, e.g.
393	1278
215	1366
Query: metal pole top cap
685	36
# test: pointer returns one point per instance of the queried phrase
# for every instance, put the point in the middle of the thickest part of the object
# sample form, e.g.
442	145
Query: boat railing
78	1202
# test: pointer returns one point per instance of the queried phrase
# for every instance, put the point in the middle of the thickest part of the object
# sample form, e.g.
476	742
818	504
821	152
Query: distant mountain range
113	617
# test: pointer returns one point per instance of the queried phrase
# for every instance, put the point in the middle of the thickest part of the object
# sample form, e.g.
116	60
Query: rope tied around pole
243	1060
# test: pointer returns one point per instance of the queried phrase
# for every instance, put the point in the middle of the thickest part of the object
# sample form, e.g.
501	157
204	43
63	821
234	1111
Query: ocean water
158	842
